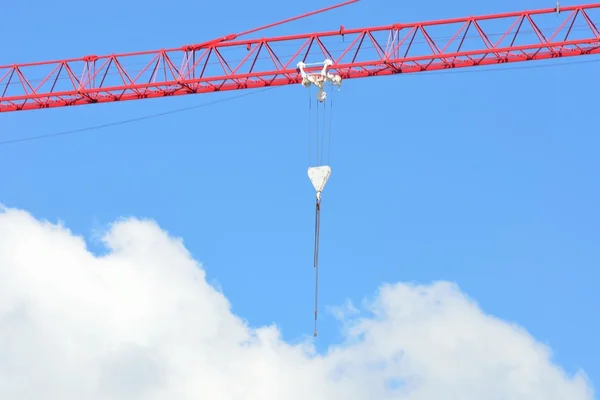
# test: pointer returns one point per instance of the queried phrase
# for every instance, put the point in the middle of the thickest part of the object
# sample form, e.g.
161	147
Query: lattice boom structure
229	64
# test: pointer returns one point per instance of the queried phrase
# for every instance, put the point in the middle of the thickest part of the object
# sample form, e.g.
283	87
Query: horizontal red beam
222	65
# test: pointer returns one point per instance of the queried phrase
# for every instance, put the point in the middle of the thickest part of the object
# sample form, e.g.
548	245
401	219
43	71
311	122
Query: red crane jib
231	64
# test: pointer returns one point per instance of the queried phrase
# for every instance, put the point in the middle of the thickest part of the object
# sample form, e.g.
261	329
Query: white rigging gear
319	174
319	80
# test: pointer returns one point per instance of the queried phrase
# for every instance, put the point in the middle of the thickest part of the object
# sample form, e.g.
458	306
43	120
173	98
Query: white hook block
318	177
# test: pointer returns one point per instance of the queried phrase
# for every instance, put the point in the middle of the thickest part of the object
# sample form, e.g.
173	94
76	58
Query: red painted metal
229	64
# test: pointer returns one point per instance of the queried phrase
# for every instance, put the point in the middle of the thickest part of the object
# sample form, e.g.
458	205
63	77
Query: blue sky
485	178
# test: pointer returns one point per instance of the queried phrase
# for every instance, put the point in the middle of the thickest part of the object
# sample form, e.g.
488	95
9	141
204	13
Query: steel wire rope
131	120
324	131
317	137
316	260
328	156
330	131
309	125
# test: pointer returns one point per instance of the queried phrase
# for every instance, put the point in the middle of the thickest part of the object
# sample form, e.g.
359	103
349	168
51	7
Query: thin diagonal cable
131	120
467	71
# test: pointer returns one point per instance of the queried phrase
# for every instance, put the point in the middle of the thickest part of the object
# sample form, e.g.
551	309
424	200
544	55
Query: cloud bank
141	322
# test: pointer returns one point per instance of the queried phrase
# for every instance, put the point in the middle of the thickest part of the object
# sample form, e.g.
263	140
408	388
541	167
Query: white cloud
142	323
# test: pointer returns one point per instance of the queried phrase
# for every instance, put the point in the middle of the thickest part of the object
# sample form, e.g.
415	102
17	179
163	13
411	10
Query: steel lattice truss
229	64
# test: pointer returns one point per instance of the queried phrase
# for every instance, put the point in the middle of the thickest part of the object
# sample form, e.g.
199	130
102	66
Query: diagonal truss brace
231	63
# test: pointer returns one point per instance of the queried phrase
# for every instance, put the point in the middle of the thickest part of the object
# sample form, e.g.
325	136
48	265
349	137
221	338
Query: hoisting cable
309	126
323	134
319	173
317	138
316	257
318	204
330	131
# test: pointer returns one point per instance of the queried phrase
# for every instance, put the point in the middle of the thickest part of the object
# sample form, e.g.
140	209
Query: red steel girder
221	65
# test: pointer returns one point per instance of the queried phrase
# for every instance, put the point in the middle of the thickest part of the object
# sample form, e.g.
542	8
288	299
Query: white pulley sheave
319	80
